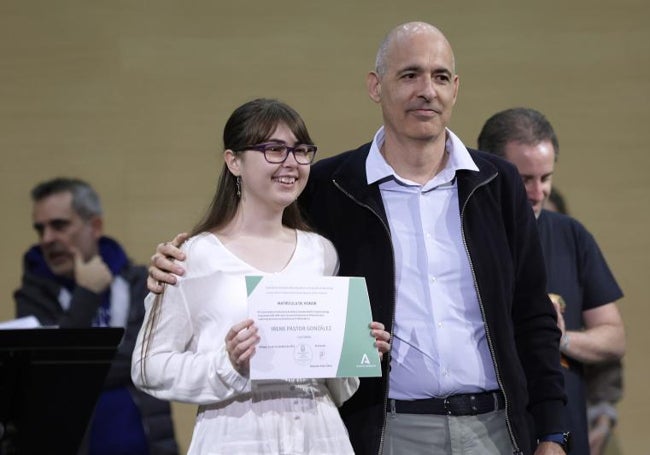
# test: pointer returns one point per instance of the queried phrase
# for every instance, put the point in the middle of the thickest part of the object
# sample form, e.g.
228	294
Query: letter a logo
365	360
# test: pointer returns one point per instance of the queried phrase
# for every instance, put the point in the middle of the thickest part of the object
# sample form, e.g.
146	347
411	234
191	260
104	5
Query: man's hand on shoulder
162	268
93	275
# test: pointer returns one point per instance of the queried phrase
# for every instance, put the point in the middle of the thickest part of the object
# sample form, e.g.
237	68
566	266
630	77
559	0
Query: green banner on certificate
357	355
315	327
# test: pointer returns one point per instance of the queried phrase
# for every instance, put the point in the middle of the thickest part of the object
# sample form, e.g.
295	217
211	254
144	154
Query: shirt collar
459	159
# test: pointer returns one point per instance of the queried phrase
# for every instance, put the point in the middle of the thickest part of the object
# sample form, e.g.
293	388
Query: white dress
186	360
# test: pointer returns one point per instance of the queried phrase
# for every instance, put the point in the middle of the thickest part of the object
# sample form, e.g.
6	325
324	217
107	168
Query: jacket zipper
480	302
387	229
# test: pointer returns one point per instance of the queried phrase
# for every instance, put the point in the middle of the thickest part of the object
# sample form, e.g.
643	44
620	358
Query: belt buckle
473	404
445	405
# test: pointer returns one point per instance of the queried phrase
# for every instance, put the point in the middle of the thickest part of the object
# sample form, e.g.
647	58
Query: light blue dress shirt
439	340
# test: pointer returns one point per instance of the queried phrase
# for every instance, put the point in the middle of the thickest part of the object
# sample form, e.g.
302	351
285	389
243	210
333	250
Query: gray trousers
427	434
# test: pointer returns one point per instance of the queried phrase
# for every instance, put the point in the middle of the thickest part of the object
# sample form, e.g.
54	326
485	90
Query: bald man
447	244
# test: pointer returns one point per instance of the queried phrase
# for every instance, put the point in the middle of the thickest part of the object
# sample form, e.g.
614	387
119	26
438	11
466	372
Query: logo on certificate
365	360
302	354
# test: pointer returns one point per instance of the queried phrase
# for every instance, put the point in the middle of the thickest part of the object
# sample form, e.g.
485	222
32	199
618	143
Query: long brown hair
252	123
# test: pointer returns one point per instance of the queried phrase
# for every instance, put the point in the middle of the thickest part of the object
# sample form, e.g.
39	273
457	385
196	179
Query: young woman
196	342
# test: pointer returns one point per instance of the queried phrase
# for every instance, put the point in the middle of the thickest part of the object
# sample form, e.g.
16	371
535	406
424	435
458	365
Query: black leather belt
456	405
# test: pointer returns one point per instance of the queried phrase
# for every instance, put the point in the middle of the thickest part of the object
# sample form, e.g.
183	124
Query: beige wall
132	96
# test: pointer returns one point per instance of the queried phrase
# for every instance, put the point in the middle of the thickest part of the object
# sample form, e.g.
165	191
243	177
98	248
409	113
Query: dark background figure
581	284
604	380
75	277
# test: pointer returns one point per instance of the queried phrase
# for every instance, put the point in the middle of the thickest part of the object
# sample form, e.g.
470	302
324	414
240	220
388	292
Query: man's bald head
401	32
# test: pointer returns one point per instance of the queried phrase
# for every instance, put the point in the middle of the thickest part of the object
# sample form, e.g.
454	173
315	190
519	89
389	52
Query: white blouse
180	355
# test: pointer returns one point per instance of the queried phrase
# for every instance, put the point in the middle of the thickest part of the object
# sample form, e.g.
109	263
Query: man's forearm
594	345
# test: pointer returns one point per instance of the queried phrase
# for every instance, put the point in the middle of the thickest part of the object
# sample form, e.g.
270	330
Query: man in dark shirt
580	283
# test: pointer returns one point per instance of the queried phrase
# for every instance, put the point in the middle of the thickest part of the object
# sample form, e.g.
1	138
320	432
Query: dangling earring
238	184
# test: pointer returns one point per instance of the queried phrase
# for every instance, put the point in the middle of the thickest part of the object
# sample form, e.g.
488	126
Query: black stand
50	380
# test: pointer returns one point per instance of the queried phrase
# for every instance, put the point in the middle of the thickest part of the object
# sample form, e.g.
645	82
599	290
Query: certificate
311	327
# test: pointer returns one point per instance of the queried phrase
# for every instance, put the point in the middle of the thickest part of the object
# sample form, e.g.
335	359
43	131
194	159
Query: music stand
50	380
